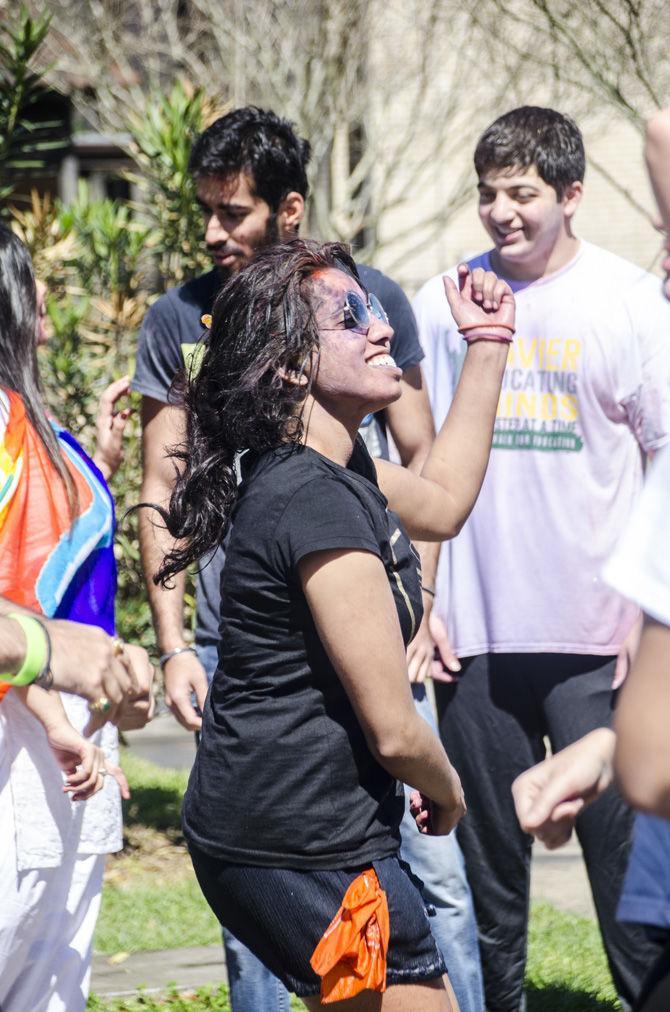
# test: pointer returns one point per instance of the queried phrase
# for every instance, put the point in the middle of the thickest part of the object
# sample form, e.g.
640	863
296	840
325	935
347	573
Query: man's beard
269	238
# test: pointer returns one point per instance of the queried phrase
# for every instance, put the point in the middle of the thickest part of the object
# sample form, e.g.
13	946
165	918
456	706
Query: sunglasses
357	313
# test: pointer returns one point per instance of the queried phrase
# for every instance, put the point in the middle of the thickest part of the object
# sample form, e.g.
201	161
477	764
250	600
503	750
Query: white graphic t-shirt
585	393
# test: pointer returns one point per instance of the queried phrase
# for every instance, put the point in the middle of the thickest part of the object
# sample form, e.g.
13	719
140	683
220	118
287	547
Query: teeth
381	360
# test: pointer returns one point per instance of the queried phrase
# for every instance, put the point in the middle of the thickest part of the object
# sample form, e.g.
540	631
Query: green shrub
104	262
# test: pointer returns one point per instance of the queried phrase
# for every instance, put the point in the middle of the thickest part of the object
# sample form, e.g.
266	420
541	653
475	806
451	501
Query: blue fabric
438	862
88	551
645	898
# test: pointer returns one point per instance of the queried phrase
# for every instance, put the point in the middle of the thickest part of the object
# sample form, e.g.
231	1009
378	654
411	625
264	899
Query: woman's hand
83	763
109	428
437	820
481	299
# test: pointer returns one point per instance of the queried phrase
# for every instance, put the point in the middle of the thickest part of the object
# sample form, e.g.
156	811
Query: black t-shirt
283	776
169	332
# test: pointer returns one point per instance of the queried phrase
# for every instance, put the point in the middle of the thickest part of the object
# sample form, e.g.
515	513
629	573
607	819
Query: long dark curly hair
254	376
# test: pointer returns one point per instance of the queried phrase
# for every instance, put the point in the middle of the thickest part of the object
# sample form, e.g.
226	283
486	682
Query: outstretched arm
435	506
87	662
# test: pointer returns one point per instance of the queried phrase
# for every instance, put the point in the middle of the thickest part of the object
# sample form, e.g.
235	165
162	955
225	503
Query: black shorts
281	914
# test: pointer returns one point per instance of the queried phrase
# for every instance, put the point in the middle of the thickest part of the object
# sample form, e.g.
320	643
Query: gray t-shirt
173	326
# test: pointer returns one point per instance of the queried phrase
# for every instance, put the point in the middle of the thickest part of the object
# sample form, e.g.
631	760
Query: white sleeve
436	333
644	379
640	566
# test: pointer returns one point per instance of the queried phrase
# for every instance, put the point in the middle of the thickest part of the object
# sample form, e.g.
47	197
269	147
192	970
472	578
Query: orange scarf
351	955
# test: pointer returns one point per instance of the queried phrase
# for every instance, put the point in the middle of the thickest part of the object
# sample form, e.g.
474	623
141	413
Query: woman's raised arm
434	506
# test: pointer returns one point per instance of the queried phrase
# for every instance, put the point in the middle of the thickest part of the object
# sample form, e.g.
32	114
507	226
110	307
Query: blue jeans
437	861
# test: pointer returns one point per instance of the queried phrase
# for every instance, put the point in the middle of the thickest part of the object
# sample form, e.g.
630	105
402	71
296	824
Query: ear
290	214
293	376
572	197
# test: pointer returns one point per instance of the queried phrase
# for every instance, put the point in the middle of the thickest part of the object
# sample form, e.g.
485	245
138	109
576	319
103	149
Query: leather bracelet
37	661
428	590
164	658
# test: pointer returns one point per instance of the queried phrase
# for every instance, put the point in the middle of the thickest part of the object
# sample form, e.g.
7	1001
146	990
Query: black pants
655	995
492	722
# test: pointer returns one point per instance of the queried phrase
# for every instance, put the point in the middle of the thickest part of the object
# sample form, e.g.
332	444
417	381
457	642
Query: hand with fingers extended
184	677
109	428
482	305
420	652
549	797
83	763
446	666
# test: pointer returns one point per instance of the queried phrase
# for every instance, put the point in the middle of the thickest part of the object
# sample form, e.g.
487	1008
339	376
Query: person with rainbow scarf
56	562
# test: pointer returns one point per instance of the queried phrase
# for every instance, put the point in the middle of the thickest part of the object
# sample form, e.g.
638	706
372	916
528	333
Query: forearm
642	757
47	707
416	757
460	454
12	643
167	603
429	553
657	154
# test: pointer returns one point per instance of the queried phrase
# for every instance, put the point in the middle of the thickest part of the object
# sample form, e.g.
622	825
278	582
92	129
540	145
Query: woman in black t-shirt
309	726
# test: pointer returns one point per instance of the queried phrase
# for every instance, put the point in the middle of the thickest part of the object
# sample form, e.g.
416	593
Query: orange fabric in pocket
351	955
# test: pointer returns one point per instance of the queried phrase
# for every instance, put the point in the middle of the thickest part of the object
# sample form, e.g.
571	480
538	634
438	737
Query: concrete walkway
156	971
557	877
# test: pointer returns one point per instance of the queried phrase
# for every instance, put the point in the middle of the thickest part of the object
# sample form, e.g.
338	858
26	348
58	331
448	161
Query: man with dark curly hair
250	173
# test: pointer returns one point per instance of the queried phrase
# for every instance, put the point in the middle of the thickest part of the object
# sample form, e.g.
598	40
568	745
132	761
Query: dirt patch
149	852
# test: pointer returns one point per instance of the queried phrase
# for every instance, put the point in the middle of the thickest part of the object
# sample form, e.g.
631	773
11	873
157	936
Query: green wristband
37	650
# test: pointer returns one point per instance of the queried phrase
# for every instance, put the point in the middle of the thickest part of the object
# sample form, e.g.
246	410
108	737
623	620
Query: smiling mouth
511	236
382	361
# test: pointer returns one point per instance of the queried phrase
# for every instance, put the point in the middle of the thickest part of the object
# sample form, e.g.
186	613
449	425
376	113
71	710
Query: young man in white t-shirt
534	630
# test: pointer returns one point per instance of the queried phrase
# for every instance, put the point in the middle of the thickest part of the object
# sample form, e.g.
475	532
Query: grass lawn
151	901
